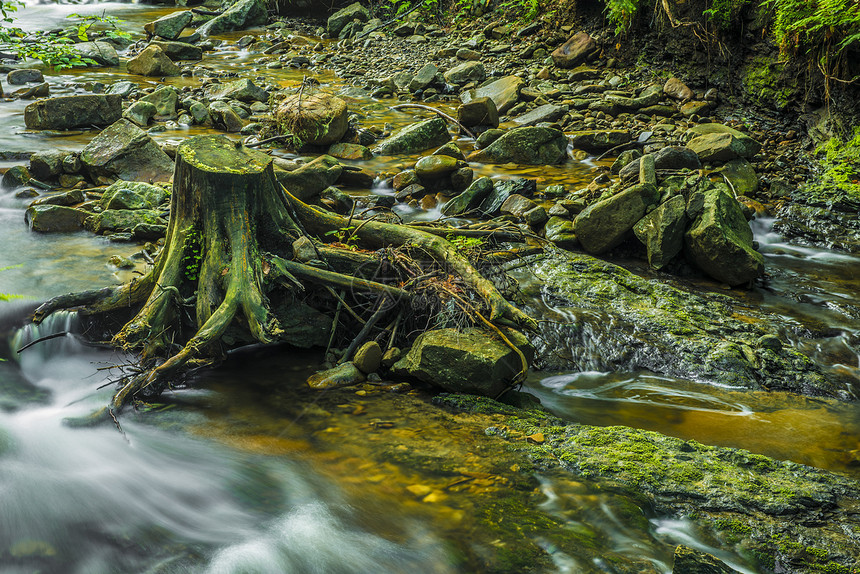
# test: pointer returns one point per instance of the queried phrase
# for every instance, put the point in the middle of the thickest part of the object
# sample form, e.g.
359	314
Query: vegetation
839	183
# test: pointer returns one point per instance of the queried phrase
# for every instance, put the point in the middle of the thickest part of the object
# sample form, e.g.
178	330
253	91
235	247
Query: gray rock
595	140
744	144
308	180
647	170
488	137
242	14
423	77
470	199
67	198
169	27
68	112
527	145
199	112
123	88
416	138
716	147
505	92
344	16
103	53
243	90
517	205
546	113
469	361
225	117
625	158
574	51
605	224
165	101
140	113
741	175
47	165
466	72
124	151
24	76
15	176
720	241
689	561
478	112
152	61
662	231
122	220
179	50
502	190
54	218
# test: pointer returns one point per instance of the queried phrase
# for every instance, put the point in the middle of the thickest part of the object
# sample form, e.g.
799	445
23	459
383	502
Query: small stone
536	438
368	357
419	490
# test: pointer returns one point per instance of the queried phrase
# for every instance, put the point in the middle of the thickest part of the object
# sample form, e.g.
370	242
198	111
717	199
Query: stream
251	473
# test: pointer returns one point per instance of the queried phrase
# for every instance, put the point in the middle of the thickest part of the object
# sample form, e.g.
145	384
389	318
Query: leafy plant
85	23
840	181
466	245
804	23
723	13
193	254
345	236
620	13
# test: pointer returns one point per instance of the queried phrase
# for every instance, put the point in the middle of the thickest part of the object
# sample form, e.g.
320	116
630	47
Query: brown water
252	473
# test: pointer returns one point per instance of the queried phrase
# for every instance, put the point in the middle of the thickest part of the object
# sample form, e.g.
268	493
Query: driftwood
228	263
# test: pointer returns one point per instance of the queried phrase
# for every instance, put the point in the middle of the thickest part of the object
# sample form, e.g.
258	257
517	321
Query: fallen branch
42	340
441	114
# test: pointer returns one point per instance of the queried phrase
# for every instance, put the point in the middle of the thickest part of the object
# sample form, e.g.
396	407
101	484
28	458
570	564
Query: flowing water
251	473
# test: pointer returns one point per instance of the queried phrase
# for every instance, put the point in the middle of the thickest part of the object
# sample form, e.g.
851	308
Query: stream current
174	491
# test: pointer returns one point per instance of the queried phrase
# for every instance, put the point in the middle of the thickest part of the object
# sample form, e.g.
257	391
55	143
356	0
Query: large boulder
169	27
165	101
243	90
416	138
308	180
604	225
527	145
50	218
716	147
575	51
132	195
471	198
225	117
505	92
123	220
344	16
103	53
243	14
68	112
662	231
124	151
319	119
152	61
469	361
720	241
745	145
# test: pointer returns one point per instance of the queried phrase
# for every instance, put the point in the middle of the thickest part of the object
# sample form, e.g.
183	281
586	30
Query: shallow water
244	476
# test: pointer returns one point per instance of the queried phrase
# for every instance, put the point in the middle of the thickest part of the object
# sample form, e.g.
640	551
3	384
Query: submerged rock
68	112
469	361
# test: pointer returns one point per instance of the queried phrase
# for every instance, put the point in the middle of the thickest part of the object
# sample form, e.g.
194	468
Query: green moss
192	258
765	83
838	184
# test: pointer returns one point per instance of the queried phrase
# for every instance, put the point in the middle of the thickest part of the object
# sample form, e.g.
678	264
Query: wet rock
468	55
124	151
591	140
574	51
308	180
42	90
625	158
353	176
559	230
199	112
675	88
716	147
488	137
720	241
344	16
67	198
605	224
744	145
742	176
24	76
676	157
368	357
451	150
469	361
122	89
466	72
690	561
546	113
179	50
350	151
122	220
470	199
436	167
647	170
662	231
321	119
47	165
68	112
54	218
416	138
103	53
242	14
244	90
691	109
225	117
15	176
152	61
505	92
425	76
132	195
343	375
502	190
169	27
478	112
517	205
527	145
165	101
140	113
